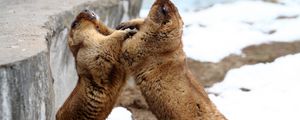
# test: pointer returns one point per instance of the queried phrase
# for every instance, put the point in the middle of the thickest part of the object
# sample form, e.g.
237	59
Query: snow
224	29
290	2
273	91
119	113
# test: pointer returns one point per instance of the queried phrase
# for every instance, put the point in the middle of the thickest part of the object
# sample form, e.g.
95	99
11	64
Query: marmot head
84	19
165	16
84	22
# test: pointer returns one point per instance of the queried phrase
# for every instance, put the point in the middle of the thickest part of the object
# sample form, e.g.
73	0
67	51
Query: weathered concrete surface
37	71
22	26
134	7
26	89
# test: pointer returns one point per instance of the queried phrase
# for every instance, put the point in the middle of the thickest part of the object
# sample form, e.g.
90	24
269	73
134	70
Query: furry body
96	49
154	56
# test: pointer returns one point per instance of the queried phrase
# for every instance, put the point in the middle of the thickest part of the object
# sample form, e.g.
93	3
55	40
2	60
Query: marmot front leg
122	34
132	24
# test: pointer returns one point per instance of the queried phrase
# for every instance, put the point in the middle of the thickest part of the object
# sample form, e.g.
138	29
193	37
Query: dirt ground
132	99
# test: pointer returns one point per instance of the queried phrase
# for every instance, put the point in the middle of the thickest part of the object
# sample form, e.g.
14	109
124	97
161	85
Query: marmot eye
74	24
165	22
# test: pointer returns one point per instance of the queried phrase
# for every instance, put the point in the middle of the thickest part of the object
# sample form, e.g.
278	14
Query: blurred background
245	52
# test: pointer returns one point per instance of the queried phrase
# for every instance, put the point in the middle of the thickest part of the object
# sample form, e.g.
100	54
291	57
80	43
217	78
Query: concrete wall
37	70
26	89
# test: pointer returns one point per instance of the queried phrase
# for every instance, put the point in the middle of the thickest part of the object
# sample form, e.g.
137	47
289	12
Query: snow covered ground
223	29
216	32
258	92
254	92
119	113
261	92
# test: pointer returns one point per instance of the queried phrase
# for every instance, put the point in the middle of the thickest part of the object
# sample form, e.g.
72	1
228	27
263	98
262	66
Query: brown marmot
155	58
96	49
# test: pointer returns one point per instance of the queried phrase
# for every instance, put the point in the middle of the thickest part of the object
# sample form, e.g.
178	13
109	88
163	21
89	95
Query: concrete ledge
36	68
26	89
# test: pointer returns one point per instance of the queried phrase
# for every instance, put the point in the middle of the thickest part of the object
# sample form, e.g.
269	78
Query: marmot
96	49
155	58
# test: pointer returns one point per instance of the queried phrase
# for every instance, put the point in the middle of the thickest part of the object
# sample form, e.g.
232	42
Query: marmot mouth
161	11
87	14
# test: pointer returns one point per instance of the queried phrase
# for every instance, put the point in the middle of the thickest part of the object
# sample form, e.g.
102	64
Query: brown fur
154	56
96	49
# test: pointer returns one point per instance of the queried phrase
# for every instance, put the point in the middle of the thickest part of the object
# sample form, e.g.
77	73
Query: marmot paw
126	25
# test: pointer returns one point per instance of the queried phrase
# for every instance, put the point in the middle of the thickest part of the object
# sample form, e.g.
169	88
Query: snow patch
261	92
119	113
224	29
